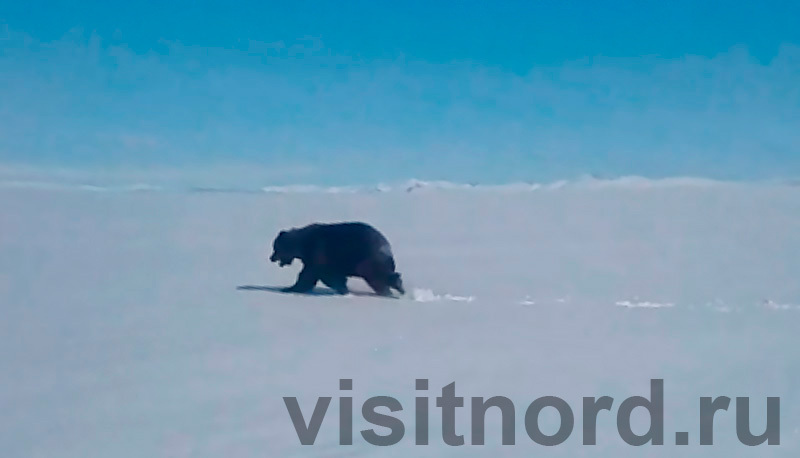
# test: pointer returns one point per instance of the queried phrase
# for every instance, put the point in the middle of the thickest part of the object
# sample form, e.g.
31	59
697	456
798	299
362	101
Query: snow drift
147	323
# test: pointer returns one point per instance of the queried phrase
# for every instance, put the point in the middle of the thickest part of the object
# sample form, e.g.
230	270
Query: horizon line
583	181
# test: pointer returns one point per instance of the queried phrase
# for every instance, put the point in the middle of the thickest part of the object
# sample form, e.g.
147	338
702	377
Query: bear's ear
282	233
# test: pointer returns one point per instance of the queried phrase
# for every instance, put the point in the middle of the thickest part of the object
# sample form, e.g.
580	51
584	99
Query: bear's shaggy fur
333	252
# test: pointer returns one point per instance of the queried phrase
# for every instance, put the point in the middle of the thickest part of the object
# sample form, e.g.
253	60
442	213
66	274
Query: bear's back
349	243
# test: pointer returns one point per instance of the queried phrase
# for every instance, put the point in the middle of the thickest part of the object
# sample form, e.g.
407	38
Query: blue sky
358	92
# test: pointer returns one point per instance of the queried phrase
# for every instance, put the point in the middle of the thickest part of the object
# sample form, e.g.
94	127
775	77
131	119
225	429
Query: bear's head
285	248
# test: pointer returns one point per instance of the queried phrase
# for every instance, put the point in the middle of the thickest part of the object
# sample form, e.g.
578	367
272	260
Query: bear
332	252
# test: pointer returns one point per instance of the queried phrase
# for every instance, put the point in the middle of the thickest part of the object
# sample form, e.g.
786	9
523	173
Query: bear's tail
396	282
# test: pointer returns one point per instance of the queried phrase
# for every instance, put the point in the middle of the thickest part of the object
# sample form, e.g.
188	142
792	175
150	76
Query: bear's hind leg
380	285
396	282
377	274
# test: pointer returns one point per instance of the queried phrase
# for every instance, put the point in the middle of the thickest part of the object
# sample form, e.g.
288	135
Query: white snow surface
147	324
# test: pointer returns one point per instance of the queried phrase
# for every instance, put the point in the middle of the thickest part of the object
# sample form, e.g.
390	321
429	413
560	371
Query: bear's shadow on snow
317	291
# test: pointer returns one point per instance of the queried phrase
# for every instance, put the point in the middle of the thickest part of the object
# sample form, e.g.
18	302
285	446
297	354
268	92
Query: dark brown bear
333	252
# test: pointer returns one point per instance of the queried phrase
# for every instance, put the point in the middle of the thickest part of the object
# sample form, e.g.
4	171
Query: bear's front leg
305	281
337	283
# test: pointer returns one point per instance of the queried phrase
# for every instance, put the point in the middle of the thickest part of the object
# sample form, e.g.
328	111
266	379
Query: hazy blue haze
353	92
